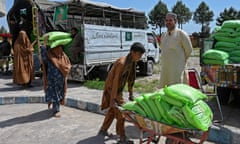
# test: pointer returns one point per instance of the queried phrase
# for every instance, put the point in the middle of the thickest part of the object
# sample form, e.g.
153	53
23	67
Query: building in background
2	8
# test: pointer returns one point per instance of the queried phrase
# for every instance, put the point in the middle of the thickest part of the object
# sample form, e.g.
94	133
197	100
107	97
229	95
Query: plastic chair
193	79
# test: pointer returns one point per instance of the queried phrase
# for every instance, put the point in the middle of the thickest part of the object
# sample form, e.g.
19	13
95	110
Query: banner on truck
60	15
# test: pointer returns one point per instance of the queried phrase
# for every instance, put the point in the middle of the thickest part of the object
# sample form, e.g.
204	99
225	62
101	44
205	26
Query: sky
148	5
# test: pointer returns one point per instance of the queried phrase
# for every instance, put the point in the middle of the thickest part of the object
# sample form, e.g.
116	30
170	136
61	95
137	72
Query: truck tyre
103	72
149	68
223	94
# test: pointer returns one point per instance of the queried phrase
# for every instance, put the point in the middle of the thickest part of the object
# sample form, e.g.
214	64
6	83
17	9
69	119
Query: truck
107	31
225	76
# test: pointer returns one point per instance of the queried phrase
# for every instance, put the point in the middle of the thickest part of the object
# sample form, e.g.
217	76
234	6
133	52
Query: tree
203	15
3	30
183	13
227	14
157	16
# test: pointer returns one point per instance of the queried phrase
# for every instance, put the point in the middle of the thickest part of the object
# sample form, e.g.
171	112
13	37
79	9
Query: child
123	71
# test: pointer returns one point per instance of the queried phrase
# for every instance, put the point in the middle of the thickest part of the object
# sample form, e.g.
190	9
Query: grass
94	84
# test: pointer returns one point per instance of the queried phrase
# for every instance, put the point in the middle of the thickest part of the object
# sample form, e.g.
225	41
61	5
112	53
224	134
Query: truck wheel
103	72
223	94
103	75
149	68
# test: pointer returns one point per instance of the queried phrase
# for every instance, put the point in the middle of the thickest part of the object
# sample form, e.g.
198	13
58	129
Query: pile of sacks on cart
177	105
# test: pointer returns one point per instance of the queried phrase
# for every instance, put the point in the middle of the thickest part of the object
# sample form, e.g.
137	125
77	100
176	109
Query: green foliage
183	13
227	14
203	15
157	15
94	84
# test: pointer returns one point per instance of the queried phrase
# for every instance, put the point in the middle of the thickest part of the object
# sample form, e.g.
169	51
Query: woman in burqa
23	68
56	67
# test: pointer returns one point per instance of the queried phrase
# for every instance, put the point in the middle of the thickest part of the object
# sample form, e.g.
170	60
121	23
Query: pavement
25	118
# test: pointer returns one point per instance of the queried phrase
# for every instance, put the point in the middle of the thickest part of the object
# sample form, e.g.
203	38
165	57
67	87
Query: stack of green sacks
56	38
178	105
214	56
228	40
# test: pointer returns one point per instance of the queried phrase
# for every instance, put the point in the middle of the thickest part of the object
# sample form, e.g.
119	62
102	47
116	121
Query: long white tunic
176	49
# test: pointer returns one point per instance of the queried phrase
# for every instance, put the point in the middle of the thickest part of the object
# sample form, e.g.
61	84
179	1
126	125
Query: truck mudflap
76	73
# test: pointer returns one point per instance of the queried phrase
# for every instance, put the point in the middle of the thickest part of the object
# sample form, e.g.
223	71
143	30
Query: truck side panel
104	44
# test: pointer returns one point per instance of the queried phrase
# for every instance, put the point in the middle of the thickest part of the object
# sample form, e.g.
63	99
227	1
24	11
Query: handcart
156	129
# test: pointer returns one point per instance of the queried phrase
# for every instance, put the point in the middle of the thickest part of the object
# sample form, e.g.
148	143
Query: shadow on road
97	139
38	116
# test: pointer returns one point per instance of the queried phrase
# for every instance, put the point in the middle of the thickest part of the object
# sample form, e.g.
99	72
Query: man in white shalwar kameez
176	48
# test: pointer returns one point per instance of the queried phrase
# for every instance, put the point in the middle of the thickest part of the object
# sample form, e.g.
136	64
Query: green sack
235	59
129	106
230	45
216	29
199	115
140	100
149	99
184	93
67	49
172	101
236	36
220	34
168	99
224	49
238	29
177	116
224	38
60	42
216	62
231	24
163	107
227	30
159	108
215	54
235	53
56	35
133	106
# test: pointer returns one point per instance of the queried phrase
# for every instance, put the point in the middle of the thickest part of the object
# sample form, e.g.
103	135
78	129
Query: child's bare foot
57	115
